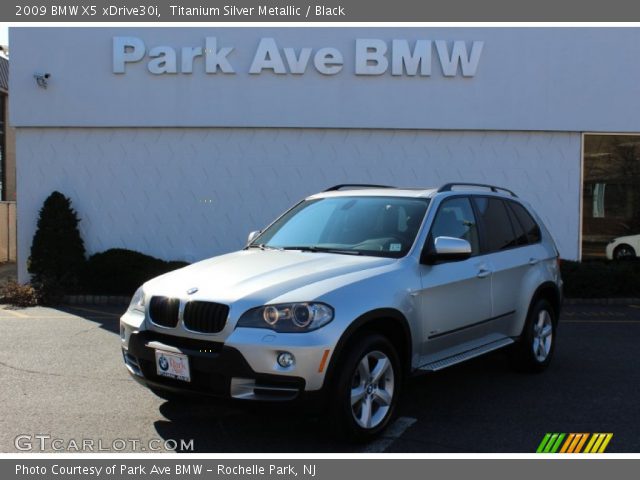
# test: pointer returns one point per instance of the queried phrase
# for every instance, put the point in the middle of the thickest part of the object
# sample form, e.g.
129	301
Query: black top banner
318	11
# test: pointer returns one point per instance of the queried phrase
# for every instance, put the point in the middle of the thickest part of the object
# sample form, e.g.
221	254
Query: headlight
138	301
288	317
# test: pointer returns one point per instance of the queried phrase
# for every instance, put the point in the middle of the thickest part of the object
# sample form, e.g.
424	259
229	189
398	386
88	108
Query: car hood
259	276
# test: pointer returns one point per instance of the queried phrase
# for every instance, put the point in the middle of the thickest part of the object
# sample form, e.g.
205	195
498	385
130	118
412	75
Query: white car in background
623	248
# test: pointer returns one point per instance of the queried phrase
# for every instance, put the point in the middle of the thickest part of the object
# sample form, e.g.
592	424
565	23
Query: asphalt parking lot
62	377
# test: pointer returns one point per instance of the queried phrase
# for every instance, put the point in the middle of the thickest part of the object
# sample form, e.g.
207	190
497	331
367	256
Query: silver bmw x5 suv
348	293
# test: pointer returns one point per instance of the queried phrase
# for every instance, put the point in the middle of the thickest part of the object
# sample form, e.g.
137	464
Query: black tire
375	348
624	252
532	353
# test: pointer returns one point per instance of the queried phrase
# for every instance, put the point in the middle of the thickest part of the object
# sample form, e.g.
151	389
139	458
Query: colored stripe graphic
604	445
543	443
556	445
565	447
598	443
574	443
551	443
590	444
596	446
581	443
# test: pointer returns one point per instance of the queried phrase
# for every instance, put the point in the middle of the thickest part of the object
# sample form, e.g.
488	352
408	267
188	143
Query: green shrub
121	272
601	279
57	252
18	294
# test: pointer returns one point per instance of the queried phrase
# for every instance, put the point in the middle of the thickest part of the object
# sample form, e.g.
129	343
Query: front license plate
173	365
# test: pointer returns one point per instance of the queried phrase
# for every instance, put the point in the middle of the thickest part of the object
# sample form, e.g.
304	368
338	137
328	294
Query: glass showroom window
611	191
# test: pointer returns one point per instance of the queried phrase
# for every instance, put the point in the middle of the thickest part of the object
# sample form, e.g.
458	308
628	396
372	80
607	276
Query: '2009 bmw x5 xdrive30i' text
349	292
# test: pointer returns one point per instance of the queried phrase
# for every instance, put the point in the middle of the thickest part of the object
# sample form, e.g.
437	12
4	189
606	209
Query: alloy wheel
542	336
372	389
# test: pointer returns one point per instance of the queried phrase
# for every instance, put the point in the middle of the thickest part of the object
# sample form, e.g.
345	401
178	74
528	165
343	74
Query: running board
469	354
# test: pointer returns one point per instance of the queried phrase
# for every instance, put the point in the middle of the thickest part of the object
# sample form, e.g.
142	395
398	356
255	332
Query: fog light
122	332
286	359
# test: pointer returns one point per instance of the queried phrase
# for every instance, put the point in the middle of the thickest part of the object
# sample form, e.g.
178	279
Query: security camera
42	79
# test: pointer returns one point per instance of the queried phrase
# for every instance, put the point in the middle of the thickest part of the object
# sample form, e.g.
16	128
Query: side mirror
446	249
252	236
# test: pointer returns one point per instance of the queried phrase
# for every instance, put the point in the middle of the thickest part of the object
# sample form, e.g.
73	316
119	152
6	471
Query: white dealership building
177	142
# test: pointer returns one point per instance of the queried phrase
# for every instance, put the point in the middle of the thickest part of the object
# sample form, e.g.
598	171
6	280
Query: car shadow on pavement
225	426
106	316
480	406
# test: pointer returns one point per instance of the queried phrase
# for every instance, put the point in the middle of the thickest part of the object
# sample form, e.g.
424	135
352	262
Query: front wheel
535	348
367	387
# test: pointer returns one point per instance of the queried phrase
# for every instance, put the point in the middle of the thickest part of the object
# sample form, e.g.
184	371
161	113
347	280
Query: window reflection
611	193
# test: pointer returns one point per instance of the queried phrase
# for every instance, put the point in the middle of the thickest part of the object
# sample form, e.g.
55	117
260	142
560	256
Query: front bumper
609	249
216	369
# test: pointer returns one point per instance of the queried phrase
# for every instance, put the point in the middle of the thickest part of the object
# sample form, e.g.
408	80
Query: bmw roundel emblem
192	290
163	363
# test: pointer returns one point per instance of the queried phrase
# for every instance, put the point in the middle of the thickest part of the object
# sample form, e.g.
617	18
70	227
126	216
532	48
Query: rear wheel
367	388
535	348
624	252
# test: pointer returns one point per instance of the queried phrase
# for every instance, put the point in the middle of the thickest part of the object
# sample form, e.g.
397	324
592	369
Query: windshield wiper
313	248
262	246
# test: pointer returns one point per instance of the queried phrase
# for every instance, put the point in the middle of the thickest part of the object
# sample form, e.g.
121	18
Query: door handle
533	261
484	273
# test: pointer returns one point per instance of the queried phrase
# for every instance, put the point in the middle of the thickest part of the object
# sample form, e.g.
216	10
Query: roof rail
354	186
448	187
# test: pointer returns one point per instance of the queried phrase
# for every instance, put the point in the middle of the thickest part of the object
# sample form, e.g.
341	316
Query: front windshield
358	225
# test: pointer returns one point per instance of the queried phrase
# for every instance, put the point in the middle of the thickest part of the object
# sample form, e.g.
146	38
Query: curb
601	301
96	300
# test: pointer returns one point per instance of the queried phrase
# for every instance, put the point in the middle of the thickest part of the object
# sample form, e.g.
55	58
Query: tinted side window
530	226
455	218
521	235
499	234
